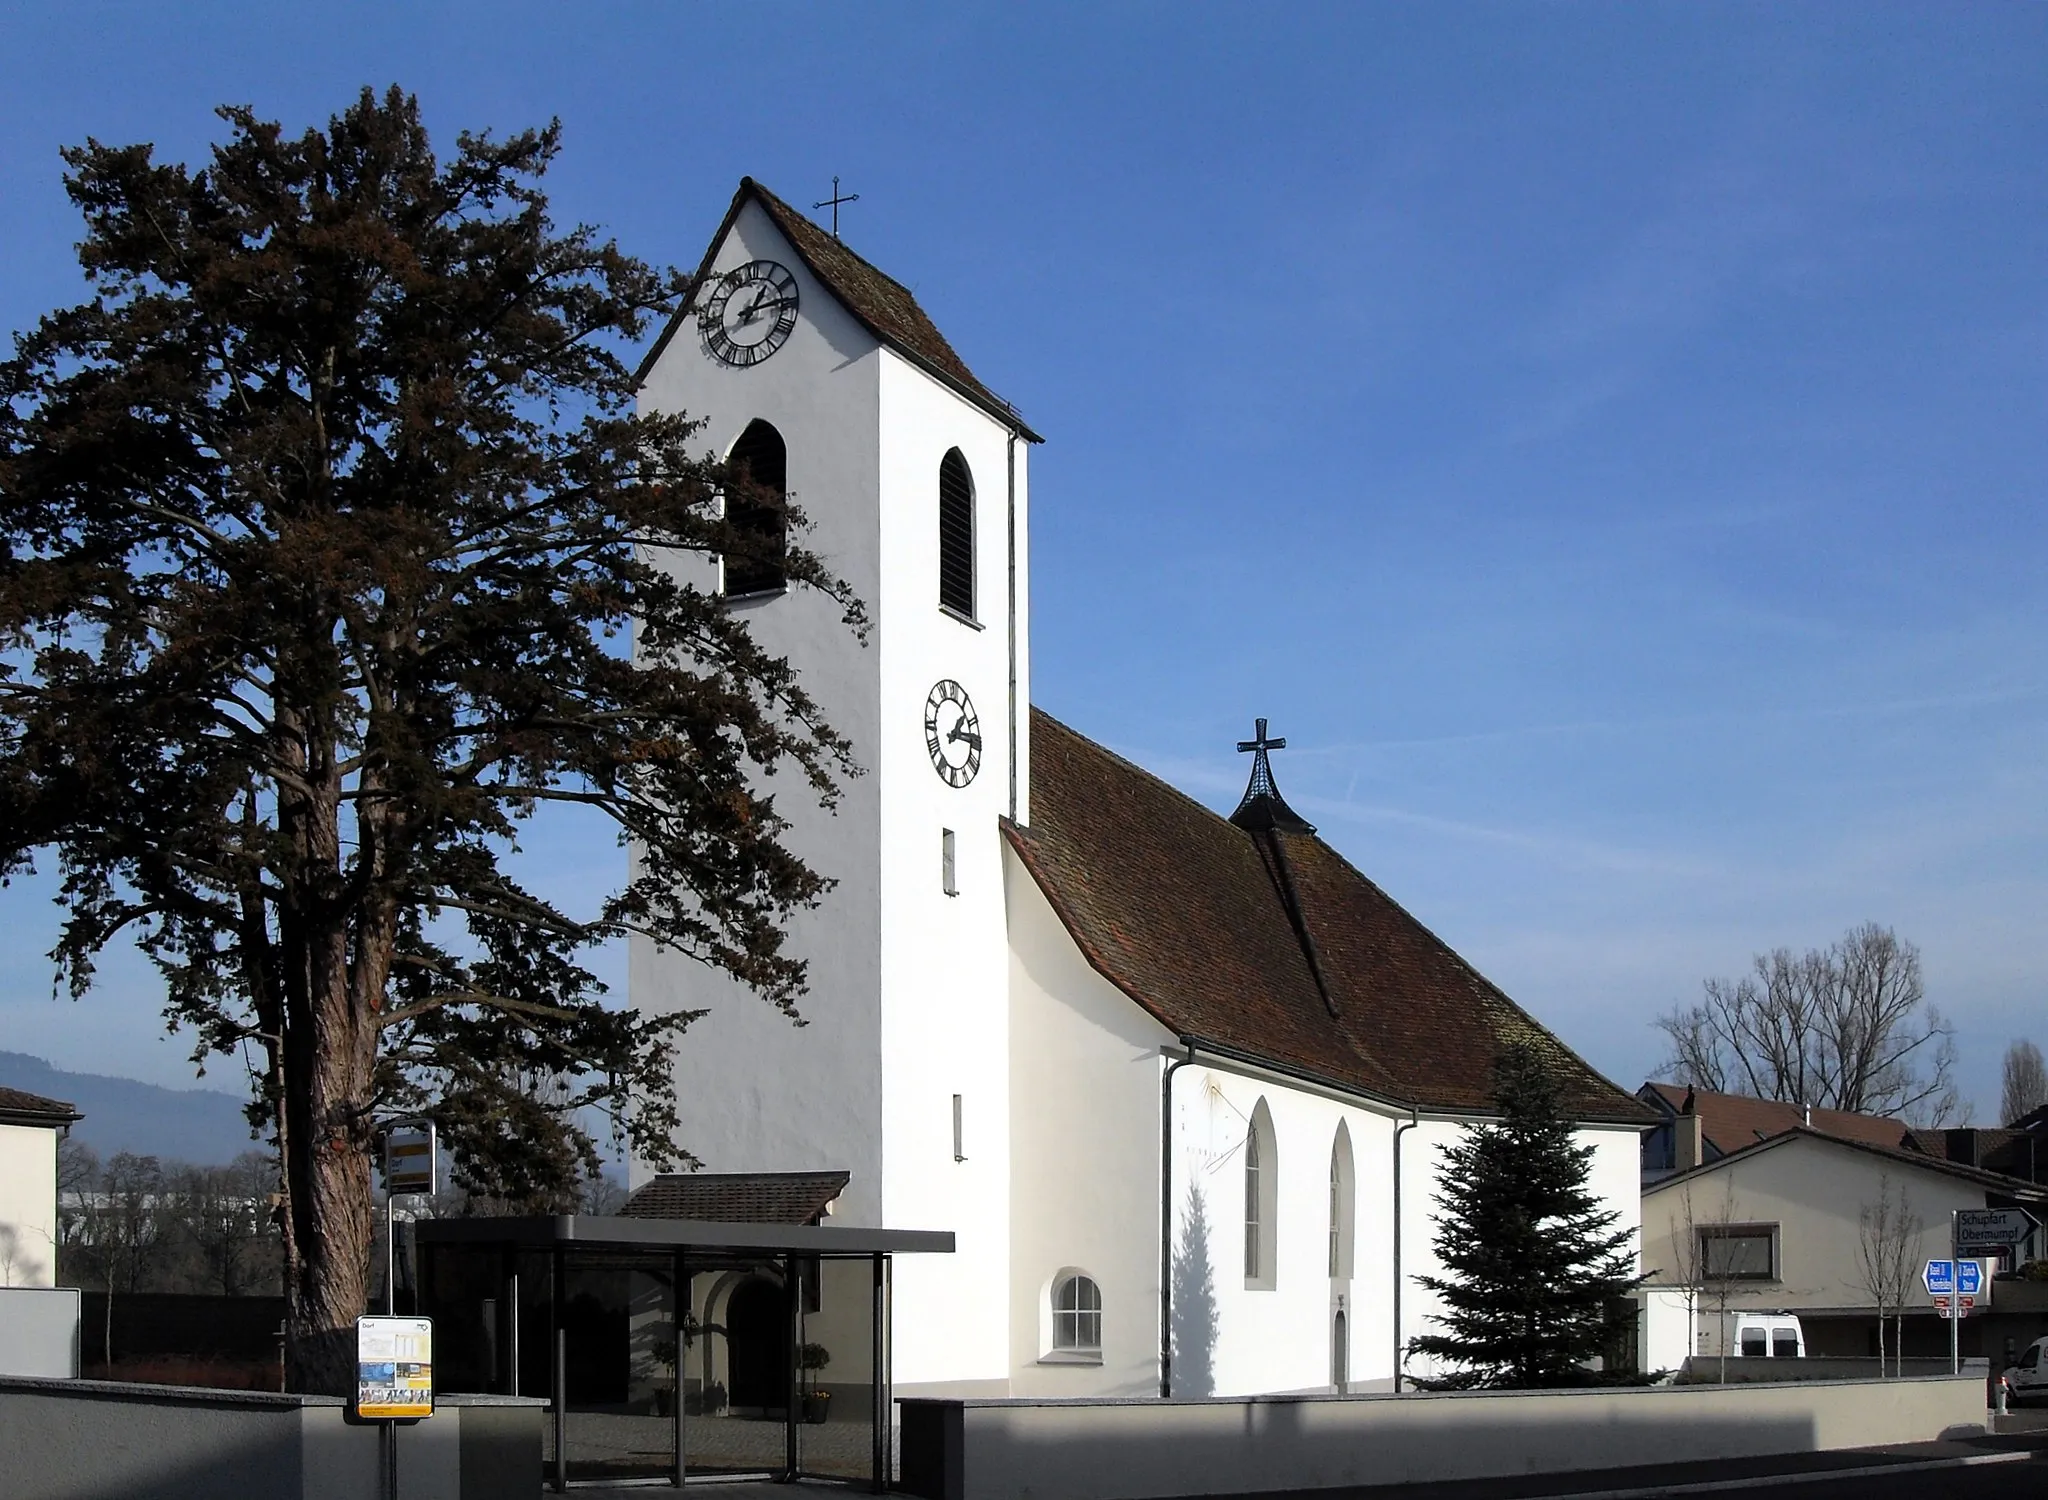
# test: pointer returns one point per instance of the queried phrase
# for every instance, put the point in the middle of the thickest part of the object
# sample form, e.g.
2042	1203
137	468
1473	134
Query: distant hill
204	1126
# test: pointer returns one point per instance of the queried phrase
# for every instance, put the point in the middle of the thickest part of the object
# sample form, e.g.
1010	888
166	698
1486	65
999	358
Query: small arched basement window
1261	1199
956	534
1077	1316
760	459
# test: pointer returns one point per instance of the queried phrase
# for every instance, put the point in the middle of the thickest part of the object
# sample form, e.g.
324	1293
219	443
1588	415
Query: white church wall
1085	1066
754	1092
945	1025
1278	1333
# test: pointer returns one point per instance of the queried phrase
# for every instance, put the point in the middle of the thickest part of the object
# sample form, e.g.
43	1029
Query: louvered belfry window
760	457
956	534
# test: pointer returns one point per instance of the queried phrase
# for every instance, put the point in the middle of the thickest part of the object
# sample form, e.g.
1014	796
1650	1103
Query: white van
2027	1380
1768	1336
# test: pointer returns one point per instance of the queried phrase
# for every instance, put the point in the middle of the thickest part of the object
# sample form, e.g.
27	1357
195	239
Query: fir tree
325	523
1533	1259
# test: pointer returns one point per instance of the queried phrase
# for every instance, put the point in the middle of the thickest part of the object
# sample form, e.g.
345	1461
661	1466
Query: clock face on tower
748	313
952	733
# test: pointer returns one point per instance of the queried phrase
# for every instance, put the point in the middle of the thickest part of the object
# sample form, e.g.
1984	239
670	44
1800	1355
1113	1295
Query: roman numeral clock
952	733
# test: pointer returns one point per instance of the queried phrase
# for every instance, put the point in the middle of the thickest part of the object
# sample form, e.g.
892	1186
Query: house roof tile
1267	942
1733	1121
19	1107
737	1197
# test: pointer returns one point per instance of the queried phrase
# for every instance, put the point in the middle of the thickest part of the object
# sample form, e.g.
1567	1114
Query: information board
409	1159
394	1368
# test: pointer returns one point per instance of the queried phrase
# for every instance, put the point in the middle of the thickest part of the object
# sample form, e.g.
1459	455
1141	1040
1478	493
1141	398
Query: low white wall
1083	1450
105	1440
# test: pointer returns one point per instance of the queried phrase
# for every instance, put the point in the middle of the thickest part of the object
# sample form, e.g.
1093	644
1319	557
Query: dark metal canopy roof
603	1231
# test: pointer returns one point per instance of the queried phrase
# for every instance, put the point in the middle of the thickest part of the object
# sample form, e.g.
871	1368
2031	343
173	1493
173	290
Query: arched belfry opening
956	534
757	509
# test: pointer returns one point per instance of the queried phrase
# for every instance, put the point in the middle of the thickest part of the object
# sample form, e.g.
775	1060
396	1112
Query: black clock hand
965	735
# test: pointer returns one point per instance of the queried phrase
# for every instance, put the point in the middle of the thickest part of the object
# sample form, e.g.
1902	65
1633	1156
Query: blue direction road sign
1969	1278
1940	1277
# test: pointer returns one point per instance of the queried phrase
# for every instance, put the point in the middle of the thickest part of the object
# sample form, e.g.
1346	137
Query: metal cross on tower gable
833	203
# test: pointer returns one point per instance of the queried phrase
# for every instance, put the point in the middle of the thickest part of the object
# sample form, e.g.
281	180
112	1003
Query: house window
1261	1183
1739	1252
1341	1203
756	509
956	534
948	881
1077	1316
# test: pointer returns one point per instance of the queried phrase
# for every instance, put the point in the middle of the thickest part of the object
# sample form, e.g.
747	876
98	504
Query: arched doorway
758	1346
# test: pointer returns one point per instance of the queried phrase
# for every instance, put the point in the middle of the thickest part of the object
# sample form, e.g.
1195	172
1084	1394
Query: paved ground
2012	1465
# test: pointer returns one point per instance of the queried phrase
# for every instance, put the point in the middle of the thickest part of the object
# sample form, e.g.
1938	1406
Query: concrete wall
97	1440
28	1205
39	1331
1132	1450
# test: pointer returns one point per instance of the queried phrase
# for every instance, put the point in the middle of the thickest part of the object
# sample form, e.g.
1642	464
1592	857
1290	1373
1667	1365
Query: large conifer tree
1535	1262
327	518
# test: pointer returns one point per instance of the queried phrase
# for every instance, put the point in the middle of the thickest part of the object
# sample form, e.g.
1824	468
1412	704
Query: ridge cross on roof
834	201
1262	805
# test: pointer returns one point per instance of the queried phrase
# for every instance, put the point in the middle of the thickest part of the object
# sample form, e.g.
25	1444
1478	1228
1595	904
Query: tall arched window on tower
956	534
1343	1198
755	509
1261	1199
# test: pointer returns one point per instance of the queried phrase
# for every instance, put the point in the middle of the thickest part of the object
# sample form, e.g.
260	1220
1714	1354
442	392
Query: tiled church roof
881	304
737	1197
1192	917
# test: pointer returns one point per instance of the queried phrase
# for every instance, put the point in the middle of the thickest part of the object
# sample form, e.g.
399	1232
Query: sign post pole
1955	1321
409	1161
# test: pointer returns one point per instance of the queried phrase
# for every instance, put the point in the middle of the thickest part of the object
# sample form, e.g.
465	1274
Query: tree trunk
330	1048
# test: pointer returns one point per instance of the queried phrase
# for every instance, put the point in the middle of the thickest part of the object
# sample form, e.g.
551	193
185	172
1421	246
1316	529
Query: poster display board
394	1368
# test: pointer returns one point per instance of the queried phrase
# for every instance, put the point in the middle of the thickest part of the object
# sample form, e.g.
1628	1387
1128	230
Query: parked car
1769	1336
2028	1379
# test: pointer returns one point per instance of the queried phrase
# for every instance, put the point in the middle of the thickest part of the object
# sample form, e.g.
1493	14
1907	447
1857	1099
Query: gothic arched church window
1261	1199
956	534
1077	1315
1342	1210
755	507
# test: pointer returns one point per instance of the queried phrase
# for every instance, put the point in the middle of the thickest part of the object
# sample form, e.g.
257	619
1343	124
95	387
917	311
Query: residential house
30	1126
1783	1225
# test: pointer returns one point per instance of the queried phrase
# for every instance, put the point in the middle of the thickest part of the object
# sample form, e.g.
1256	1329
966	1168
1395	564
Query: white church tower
827	377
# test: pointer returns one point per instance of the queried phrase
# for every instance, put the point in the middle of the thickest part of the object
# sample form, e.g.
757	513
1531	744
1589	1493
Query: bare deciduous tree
1887	1245
1843	1027
2025	1087
1711	1278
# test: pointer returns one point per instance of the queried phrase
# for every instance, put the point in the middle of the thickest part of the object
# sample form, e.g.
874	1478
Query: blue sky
1605	440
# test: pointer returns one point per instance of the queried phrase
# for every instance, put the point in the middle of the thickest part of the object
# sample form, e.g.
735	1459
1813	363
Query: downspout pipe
1010	465
1400	1130
1166	1218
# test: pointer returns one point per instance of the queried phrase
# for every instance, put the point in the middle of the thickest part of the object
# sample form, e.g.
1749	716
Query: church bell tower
826	375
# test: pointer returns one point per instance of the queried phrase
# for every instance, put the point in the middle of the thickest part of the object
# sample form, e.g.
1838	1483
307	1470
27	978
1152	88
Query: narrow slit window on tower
755	508
948	878
956	534
959	1131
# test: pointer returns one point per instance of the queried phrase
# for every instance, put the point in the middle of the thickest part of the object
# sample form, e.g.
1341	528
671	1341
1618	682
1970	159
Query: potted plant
811	1358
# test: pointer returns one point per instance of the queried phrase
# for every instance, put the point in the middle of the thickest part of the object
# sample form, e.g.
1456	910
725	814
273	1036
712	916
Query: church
1177	1083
